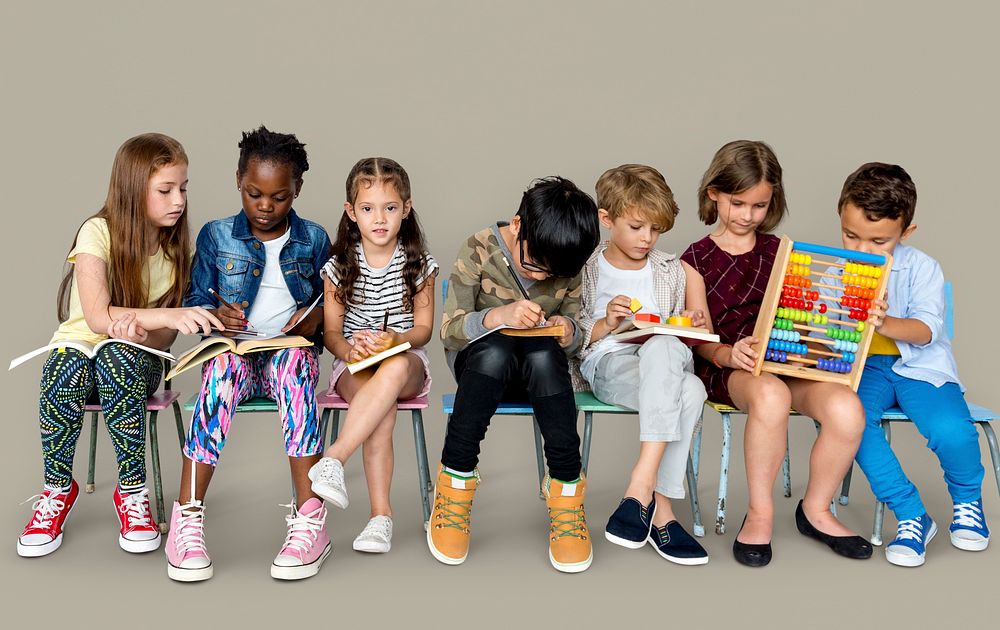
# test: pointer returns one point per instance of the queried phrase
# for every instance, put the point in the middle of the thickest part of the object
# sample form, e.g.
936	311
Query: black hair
267	146
559	225
881	191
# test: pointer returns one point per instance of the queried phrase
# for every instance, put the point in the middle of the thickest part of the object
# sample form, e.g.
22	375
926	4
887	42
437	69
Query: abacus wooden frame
768	311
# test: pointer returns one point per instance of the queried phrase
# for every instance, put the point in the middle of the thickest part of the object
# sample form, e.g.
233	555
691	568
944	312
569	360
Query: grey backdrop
475	99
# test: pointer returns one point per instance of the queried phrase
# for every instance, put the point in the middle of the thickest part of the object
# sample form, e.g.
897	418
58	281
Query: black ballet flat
848	546
751	555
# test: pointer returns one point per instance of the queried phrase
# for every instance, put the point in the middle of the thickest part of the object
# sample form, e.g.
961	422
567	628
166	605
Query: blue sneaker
676	545
630	524
909	548
968	526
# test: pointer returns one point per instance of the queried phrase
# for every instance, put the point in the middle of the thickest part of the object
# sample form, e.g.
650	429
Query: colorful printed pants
125	377
288	376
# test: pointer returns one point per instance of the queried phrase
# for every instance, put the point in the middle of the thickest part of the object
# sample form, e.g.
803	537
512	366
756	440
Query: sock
123	489
459	473
58	489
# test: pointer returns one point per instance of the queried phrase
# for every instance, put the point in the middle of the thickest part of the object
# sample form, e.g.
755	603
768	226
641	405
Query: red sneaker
43	533
139	533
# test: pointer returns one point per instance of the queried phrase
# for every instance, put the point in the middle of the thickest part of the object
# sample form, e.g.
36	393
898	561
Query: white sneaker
376	537
327	476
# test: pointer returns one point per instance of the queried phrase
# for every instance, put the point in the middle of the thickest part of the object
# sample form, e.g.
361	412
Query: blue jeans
941	416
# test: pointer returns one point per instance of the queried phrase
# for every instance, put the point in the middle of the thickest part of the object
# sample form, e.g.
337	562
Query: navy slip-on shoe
630	524
676	545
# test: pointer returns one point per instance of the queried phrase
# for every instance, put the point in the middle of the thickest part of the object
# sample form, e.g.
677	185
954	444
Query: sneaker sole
969	545
440	557
178	574
37	551
624	542
139	546
301	572
576	567
323	491
904	560
688	562
372	547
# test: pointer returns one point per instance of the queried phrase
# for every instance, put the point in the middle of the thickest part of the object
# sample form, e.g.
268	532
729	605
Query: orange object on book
679	320
647	317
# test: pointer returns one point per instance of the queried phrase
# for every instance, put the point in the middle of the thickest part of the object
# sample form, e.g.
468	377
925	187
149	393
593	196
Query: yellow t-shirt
95	239
882	345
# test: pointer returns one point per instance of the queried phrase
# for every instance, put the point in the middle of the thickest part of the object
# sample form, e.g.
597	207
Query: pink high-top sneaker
306	544
187	558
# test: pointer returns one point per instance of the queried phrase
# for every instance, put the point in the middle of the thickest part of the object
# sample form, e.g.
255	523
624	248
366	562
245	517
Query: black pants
498	368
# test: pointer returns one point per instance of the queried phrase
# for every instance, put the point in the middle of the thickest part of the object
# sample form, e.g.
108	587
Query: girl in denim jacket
264	262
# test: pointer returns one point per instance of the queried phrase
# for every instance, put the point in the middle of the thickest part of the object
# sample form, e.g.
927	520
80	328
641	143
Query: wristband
715	353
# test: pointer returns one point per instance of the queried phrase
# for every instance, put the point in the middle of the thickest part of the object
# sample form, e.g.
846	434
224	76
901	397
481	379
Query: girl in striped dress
380	293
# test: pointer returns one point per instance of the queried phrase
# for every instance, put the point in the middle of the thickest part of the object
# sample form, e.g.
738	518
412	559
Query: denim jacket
230	259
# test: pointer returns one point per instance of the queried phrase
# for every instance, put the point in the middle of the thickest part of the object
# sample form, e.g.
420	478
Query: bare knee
769	402
841	412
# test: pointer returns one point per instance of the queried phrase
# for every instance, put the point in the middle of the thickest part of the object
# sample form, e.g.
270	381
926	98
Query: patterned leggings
125	377
288	376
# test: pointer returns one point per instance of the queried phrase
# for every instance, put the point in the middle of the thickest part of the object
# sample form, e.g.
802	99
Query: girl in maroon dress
727	273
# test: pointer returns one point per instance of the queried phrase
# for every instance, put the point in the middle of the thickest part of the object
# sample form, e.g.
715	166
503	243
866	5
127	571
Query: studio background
476	99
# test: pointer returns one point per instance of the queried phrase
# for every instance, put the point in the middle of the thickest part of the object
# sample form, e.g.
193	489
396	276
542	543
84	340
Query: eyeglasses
530	266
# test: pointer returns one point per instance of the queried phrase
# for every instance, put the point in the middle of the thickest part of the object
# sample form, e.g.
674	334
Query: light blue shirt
916	291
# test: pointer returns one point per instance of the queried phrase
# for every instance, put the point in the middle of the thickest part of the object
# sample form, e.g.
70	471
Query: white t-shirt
611	282
274	304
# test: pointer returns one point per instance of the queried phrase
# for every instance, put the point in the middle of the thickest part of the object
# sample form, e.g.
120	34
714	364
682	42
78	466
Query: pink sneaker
306	544
187	558
43	533
138	533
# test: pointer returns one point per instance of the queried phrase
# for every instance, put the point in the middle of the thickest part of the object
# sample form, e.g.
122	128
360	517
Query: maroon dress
735	287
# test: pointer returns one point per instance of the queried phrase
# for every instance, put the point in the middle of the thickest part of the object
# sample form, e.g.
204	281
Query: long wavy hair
367	173
137	160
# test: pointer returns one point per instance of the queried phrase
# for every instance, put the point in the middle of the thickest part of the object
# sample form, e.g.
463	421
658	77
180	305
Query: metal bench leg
696	447
845	489
89	488
335	427
324	423
692	479
720	510
991	441
423	470
786	469
879	506
588	429
179	421
154	454
539	457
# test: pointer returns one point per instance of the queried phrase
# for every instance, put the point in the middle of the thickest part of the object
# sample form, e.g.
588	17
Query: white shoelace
190	534
46	508
135	507
910	530
968	515
302	530
379	528
330	472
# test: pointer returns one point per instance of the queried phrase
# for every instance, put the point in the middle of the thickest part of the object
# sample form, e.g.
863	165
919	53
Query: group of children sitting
133	278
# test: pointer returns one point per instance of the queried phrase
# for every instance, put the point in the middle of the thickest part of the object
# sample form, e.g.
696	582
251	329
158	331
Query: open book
357	366
637	331
556	330
87	349
214	345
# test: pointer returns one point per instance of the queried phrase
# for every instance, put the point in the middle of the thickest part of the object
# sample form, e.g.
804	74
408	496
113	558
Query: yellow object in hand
634	305
679	320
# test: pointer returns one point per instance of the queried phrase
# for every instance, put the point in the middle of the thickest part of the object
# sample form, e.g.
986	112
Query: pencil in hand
249	329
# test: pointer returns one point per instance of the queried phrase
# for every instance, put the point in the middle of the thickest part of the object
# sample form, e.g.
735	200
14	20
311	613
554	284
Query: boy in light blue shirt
910	364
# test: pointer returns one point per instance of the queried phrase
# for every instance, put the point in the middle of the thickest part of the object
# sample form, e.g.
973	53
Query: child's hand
743	356
194	320
876	314
357	353
366	342
567	336
384	339
234	319
618	309
127	327
520	314
306	328
696	316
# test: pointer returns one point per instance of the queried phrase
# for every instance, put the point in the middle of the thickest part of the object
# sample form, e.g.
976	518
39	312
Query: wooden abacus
819	335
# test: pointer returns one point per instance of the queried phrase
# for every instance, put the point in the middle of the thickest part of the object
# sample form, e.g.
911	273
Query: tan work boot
448	527
570	550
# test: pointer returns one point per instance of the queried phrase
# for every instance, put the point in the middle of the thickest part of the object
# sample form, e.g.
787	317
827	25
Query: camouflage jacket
480	281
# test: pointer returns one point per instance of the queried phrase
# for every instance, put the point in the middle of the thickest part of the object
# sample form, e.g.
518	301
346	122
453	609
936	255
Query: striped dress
735	287
380	290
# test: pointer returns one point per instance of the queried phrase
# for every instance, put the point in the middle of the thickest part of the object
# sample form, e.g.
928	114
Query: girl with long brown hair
128	271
